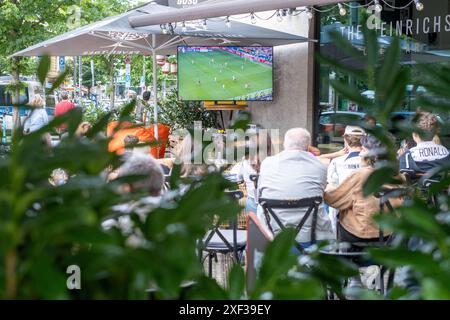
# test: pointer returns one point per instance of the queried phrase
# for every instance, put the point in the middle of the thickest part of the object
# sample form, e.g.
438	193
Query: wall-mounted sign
62	64
407	27
184	3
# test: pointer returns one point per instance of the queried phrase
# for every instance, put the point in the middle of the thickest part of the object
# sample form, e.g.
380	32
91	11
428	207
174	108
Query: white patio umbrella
114	35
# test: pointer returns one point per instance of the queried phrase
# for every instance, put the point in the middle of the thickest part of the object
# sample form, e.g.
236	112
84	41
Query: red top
63	107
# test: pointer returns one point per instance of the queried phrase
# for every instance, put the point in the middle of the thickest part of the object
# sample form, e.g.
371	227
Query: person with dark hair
427	154
130	141
259	147
146	95
343	166
65	105
141	105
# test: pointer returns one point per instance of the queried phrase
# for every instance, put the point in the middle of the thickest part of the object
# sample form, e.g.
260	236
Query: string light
309	13
171	29
279	16
342	10
419	5
378	6
228	22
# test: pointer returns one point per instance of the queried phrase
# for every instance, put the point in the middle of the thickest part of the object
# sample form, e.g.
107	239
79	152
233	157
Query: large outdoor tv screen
225	73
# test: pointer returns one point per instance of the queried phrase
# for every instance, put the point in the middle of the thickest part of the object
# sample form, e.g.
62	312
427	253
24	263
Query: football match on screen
225	73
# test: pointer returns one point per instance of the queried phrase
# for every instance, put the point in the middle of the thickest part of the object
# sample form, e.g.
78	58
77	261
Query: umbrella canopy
114	35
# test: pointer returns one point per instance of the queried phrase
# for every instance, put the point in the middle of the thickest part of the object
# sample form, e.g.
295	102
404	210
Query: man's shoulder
270	160
339	159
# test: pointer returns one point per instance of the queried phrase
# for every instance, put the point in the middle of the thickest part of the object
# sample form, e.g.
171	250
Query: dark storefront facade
424	39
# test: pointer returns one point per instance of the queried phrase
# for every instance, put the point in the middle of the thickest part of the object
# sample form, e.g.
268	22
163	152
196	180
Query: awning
221	8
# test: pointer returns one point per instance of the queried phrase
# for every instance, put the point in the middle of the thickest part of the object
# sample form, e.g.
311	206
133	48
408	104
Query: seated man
295	174
427	155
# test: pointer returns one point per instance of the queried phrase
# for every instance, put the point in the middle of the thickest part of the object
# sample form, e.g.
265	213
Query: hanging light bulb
183	26
253	19
170	28
279	16
378	6
309	13
228	22
164	29
419	5
205	25
342	10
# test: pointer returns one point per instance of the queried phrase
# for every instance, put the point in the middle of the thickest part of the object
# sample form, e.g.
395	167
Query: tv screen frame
228	100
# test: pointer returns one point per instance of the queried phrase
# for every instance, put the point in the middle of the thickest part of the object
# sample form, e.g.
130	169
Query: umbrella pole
155	90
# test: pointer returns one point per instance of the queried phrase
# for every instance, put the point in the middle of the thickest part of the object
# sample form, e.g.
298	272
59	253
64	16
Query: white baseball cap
354	131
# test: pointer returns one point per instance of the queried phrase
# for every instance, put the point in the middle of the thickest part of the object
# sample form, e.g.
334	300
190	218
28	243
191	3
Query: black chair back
311	204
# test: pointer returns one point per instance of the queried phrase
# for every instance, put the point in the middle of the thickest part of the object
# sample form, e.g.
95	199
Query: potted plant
173	64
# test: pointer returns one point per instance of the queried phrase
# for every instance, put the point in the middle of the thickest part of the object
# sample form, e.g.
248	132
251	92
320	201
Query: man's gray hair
146	166
297	139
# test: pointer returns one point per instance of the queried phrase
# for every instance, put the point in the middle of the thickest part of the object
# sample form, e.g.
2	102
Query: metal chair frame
230	247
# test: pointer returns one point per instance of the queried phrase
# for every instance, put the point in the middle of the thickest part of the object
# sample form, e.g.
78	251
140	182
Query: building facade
424	33
303	94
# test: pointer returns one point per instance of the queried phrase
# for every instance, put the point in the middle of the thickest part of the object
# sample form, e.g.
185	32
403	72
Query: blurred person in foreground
427	154
149	185
83	129
295	173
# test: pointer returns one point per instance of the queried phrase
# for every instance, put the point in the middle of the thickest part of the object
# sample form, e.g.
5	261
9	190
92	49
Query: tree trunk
112	83
16	79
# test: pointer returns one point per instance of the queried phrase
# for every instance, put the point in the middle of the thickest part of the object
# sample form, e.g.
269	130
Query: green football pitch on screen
225	73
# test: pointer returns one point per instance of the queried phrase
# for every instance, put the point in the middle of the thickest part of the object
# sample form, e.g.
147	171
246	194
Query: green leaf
386	76
278	259
371	42
350	92
59	80
346	46
433	290
236	282
43	68
341	67
394	257
377	179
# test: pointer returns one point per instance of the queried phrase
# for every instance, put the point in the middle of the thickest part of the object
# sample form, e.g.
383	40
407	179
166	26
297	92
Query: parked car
332	125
